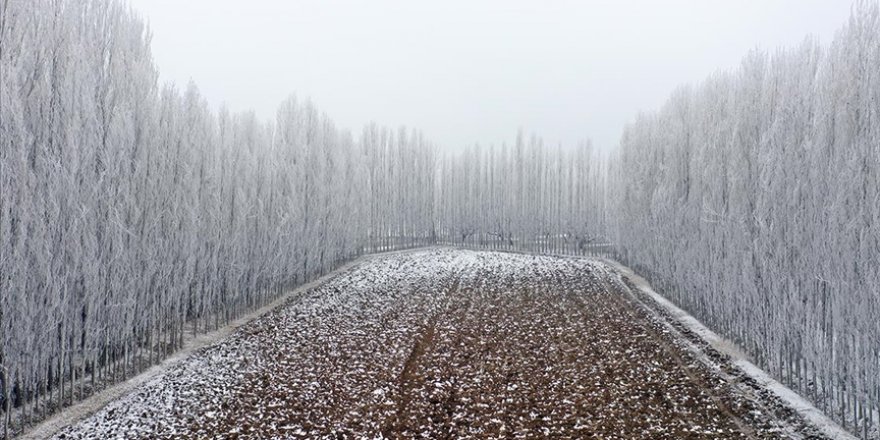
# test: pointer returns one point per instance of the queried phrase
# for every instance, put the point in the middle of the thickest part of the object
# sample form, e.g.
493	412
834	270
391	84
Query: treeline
526	198
754	199
400	182
132	214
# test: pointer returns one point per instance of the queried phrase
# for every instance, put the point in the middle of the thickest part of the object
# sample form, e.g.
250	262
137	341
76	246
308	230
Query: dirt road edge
793	400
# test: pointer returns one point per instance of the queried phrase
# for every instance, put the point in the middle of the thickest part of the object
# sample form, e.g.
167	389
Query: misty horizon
469	73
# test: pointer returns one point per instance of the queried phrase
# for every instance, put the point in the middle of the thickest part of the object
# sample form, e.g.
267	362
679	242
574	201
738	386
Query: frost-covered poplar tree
753	196
525	197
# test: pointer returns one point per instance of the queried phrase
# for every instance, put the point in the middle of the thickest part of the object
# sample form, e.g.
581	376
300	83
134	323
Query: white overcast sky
468	71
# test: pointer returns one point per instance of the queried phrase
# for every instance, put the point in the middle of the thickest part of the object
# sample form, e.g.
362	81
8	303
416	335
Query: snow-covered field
447	343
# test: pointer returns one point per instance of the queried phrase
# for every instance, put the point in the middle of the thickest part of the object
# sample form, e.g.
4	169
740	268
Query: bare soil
448	344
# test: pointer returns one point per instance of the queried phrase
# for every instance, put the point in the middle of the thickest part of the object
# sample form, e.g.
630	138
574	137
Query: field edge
667	310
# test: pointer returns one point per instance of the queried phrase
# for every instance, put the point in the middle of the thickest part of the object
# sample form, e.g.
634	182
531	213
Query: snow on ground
455	344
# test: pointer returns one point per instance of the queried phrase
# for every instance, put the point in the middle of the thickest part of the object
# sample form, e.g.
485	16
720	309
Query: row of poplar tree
754	199
132	215
525	197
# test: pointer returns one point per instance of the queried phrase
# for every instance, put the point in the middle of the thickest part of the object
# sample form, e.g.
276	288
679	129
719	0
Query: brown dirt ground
488	347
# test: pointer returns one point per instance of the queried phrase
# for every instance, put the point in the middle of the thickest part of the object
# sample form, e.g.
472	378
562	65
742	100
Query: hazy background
466	71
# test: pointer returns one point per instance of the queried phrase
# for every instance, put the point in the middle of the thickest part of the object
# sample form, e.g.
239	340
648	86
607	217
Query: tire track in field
410	378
